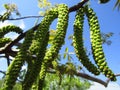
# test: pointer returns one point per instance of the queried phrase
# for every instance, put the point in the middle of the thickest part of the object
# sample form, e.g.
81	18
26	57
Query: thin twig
8	59
71	9
3	72
117	74
2	57
76	7
25	17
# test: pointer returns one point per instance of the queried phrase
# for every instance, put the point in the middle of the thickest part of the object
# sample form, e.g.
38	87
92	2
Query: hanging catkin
57	42
96	43
15	67
79	45
10	28
38	47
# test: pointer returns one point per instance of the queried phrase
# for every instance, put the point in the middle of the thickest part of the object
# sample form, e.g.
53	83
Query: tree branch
76	7
3	72
117	75
86	76
8	59
21	36
24	17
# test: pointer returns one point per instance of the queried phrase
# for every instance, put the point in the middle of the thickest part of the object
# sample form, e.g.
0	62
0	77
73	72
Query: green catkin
15	67
57	42
4	41
79	45
33	74
30	63
42	30
9	28
37	48
96	43
6	29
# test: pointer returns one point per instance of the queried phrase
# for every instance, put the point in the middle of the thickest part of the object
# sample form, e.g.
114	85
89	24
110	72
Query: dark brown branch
76	7
3	72
86	76
24	17
18	44
2	57
8	59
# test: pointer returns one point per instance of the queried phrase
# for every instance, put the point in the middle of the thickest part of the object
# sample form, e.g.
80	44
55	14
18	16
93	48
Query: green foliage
18	86
68	83
5	16
43	3
1	82
10	8
52	83
45	6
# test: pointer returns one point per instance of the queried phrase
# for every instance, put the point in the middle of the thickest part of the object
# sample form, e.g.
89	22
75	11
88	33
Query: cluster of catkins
96	43
34	49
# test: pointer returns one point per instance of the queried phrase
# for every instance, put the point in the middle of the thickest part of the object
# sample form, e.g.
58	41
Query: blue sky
109	21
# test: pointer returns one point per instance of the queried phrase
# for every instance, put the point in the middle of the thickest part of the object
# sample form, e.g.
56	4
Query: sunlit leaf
66	50
55	64
6	6
64	56
43	4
